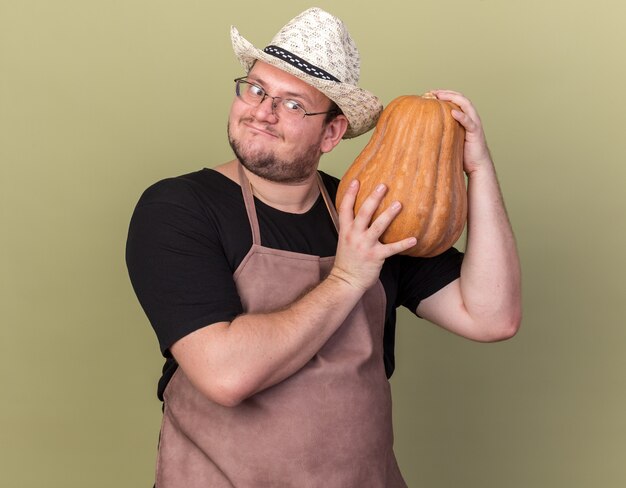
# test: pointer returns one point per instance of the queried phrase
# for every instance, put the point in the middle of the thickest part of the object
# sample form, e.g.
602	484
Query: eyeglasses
253	94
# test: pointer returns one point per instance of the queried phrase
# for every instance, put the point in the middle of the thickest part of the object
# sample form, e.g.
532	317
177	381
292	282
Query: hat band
299	63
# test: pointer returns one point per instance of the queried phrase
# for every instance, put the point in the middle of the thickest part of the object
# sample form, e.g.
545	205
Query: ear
333	133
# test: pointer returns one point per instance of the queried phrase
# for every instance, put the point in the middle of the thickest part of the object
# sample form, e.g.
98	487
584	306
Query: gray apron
328	425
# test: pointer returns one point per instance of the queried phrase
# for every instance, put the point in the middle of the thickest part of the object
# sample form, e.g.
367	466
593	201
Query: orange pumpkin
417	151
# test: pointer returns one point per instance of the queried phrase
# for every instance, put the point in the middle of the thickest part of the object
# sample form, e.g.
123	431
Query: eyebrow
301	96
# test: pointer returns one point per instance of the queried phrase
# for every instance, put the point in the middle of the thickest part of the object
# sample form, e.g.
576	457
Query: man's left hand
476	152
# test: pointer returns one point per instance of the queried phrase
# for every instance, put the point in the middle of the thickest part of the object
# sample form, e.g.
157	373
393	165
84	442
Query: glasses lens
249	92
292	109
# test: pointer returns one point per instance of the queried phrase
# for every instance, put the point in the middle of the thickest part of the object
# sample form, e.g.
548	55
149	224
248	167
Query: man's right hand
360	254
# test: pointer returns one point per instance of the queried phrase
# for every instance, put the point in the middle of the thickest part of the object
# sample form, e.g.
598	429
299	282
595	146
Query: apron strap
329	203
248	200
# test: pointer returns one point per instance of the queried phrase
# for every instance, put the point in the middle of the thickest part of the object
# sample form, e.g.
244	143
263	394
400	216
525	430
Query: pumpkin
417	151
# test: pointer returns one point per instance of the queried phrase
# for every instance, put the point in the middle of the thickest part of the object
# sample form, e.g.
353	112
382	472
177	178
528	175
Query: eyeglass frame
243	79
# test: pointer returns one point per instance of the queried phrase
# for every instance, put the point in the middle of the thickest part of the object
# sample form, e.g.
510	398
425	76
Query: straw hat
315	46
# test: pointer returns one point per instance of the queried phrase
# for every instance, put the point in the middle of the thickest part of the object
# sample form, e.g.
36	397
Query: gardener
274	311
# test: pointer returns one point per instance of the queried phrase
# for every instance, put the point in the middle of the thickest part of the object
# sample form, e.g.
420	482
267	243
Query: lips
262	130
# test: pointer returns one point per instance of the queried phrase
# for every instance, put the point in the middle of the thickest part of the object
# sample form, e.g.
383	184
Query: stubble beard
267	165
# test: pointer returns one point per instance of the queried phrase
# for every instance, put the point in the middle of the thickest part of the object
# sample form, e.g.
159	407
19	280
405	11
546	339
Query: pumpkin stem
429	95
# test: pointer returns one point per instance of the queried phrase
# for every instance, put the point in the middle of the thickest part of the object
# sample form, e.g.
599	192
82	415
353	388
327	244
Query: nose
266	111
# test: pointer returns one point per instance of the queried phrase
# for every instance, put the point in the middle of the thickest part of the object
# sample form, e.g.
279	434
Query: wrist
479	168
345	281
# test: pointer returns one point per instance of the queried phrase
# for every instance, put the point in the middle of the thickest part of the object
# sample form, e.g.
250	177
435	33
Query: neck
287	197
293	198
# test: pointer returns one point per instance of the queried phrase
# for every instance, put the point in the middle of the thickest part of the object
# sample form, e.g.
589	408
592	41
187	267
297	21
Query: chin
267	164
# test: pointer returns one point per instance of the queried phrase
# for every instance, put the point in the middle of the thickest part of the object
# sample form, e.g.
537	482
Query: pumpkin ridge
366	181
441	211
428	170
360	165
402	166
432	224
386	144
454	179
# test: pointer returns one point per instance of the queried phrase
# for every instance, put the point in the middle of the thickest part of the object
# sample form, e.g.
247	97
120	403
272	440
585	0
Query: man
275	313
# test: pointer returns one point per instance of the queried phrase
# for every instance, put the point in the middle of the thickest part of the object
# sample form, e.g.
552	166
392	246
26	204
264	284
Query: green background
99	99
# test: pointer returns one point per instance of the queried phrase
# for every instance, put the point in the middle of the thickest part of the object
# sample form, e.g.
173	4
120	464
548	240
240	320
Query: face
285	151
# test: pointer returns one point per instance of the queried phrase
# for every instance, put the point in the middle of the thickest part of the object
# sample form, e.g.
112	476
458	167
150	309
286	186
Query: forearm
256	351
490	274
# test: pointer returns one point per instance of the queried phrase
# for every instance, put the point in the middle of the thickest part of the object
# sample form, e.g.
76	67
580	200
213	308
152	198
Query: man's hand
360	254
476	152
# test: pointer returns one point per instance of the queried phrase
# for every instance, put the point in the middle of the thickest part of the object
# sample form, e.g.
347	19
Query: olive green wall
101	98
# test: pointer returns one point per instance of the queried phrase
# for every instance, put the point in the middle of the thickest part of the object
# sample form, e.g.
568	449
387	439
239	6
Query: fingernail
380	188
353	183
396	205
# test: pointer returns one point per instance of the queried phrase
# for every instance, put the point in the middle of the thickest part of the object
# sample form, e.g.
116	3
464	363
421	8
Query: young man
275	313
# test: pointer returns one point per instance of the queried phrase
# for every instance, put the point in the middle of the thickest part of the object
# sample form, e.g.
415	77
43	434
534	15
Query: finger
465	120
363	218
399	246
449	95
346	207
459	99
382	222
445	92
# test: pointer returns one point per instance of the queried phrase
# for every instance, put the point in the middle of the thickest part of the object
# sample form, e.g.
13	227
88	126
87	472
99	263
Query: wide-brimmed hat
315	46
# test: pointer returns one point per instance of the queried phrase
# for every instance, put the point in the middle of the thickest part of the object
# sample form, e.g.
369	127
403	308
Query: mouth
260	130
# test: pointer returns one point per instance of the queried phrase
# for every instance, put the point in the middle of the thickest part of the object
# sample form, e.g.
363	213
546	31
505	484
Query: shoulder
201	204
204	196
191	214
192	188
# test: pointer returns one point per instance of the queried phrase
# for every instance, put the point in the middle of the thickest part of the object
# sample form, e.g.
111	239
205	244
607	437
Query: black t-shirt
189	234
